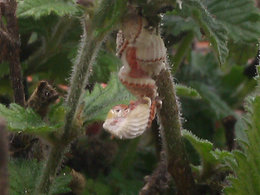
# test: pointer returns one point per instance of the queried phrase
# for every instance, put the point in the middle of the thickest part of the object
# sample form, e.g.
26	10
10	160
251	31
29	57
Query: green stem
54	160
182	51
169	118
86	56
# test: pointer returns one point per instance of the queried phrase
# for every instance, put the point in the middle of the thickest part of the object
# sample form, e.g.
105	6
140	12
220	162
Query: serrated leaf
61	183
24	175
184	91
247	165
241	17
203	147
101	100
20	119
214	30
39	8
212	160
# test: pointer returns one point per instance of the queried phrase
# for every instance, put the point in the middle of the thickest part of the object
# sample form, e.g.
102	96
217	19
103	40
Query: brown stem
10	49
169	118
3	159
157	183
229	125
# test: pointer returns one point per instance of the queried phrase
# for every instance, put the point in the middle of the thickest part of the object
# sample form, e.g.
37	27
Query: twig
169	118
229	125
157	183
10	40
3	159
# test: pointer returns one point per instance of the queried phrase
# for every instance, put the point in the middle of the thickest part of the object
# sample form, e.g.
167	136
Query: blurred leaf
25	120
61	183
24	175
4	67
241	17
106	63
39	8
184	91
56	115
101	100
175	24
218	106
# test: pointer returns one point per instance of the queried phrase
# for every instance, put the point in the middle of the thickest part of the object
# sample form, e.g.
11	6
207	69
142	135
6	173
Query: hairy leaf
25	120
101	100
24	175
214	30
247	165
241	18
184	91
212	160
39	8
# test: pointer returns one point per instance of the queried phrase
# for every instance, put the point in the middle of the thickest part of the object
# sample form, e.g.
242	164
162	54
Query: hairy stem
169	117
54	160
11	51
86	56
3	159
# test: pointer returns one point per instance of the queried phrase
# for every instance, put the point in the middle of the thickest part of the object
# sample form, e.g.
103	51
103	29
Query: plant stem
53	163
86	56
182	51
169	118
11	53
79	79
3	159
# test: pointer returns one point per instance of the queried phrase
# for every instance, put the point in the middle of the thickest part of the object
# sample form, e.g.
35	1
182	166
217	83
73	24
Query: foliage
101	100
184	91
50	32
212	160
24	175
39	8
20	119
246	165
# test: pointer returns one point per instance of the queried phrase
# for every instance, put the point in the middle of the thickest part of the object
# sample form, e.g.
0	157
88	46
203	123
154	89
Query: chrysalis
130	121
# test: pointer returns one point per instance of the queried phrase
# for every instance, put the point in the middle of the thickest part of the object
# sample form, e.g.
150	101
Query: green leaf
39	8
24	175
61	183
214	30
56	115
247	165
220	107
101	100
241	17
212	160
184	91
203	147
20	119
